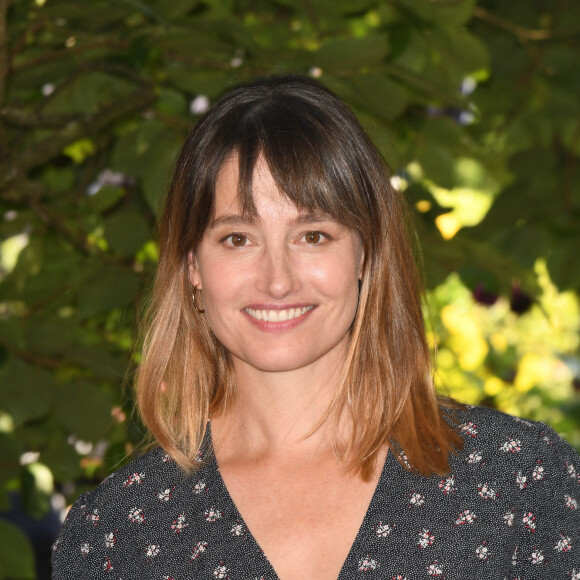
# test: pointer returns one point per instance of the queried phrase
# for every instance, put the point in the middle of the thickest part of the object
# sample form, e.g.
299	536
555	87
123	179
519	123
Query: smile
278	315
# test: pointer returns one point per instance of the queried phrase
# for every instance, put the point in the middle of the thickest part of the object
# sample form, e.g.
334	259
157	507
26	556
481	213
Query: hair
322	160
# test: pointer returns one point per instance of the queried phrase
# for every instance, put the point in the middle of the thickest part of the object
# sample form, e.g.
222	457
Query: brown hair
321	159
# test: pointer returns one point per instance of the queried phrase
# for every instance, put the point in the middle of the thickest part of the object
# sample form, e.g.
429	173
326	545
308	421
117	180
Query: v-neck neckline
382	484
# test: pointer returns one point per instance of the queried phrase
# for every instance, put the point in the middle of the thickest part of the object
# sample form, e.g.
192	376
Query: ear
194	277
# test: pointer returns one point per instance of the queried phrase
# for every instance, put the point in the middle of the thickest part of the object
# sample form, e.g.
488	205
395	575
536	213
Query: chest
304	519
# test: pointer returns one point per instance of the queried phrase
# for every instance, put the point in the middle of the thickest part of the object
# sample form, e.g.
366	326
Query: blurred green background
475	106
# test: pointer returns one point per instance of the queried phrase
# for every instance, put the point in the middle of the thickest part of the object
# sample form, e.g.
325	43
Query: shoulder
492	426
92	523
528	450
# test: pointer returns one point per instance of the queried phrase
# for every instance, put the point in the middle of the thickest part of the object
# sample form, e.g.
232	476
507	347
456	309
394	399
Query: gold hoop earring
194	297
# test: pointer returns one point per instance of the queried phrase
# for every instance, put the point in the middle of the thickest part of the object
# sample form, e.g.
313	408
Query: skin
298	502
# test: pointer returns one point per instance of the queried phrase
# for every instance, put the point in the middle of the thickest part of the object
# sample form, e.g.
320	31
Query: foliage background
476	106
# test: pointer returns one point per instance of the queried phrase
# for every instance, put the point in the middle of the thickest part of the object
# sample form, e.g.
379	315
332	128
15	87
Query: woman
286	346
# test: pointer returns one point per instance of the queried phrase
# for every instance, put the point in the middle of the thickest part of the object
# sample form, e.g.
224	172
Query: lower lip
281	326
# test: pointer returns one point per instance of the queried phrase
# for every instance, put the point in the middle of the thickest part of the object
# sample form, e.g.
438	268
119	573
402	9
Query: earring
194	297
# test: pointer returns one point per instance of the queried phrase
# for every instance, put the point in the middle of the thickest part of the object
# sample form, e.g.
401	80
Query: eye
314	237
236	240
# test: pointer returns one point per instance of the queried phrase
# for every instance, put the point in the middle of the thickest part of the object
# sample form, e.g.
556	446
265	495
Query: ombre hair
322	160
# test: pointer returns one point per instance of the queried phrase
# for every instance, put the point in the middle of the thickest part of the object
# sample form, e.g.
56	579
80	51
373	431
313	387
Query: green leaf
438	163
84	410
63	461
45	267
126	231
88	93
16	554
25	391
196	80
104	199
563	264
148	153
380	96
10	450
174	9
109	286
440	12
340	54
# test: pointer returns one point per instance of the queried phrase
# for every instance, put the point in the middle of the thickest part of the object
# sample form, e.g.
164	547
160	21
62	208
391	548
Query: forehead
267	199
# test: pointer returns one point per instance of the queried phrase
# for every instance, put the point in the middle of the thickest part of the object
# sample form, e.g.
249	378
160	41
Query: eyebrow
238	219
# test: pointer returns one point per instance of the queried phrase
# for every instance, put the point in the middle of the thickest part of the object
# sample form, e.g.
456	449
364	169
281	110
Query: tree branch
3	65
65	52
26	118
22	162
522	32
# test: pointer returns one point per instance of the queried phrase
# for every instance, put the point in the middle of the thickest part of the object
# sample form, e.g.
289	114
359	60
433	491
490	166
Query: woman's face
280	291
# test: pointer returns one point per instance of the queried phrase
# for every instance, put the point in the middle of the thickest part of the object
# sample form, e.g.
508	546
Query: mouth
278	315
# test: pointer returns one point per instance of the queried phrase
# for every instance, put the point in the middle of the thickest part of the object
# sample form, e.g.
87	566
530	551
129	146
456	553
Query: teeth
278	315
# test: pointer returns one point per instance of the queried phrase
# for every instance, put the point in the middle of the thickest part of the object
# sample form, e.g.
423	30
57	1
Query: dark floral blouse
507	510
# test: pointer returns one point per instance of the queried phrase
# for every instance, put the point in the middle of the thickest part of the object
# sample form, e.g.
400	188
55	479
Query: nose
277	275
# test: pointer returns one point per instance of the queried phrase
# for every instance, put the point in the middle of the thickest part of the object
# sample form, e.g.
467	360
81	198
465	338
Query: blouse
507	510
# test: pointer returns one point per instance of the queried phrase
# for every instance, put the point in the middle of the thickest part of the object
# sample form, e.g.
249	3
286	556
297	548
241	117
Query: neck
279	411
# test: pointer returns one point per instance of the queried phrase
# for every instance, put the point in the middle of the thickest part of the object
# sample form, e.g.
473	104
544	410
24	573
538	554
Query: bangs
309	162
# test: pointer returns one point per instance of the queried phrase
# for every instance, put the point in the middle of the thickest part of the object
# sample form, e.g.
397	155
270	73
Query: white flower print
575	575
212	514
529	520
536	557
55	545
221	571
571	470
508	518
166	458
486	492
152	550
238	530
134	478
469	428
426	538
571	502
398	577
538	473
474	457
198	550
384	530
199	487
523	422
547	440
521	480
85	549
199	459
367	564
465	517
136	516
164	495
482	551
511	446
179	524
564	544
93	517
515	557
110	540
434	569
416	499
405	460
447	485
107	564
